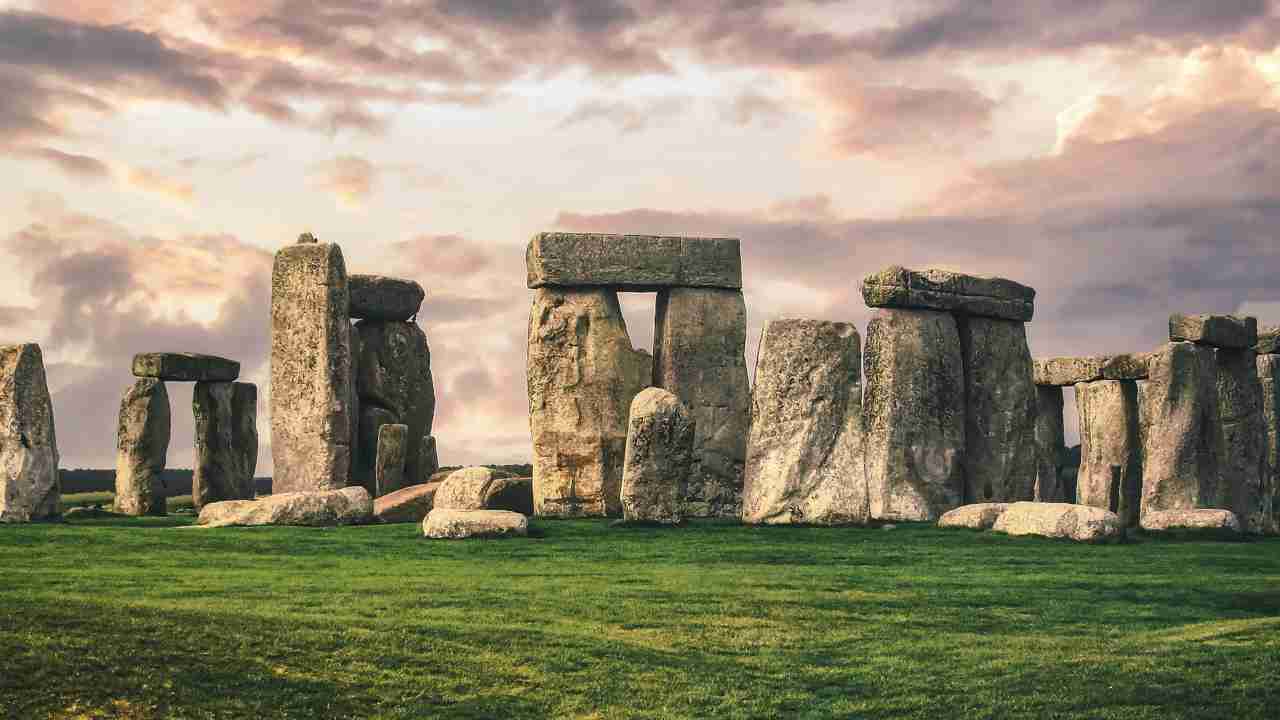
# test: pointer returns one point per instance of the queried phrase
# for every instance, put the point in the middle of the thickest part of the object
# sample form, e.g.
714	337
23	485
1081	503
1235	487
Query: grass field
141	619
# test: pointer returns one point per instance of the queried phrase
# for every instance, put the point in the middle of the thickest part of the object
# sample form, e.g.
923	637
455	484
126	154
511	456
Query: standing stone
1180	458
142	448
311	411
659	457
372	420
805	458
244	437
393	441
1226	331
1000	411
394	376
29	481
914	415
1051	446
699	354
1242	480
430	460
1269	381
217	470
1110	475
582	376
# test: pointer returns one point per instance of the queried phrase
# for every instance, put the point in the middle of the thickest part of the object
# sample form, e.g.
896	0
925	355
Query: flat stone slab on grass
406	505
633	262
1204	519
933	289
1226	331
185	367
378	297
1080	523
979	516
442	524
348	506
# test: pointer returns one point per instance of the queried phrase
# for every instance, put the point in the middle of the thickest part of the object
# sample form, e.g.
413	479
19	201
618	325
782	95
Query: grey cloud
81	166
627	117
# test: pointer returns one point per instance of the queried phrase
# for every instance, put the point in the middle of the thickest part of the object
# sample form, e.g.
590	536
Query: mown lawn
141	619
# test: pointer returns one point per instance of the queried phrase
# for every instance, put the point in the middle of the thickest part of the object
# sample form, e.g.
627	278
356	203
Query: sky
1123	158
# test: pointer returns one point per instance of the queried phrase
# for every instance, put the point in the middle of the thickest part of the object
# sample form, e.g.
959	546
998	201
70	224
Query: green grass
140	619
105	499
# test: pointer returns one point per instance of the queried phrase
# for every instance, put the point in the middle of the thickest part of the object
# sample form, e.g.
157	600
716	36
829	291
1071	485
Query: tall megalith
394	385
1000	411
218	468
1269	381
29	481
1242	481
699	355
1051	446
244	437
1110	475
1180	410
311	393
142	448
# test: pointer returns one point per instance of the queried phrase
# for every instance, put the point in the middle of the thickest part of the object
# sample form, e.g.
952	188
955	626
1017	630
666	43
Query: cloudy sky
1122	157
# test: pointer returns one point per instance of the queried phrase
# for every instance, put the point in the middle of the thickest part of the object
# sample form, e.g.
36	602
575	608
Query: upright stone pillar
805	459
310	369
394	385
1000	411
659	457
582	376
1180	457
142	448
699	355
1269	380
1051	446
216	475
1242	480
393	442
914	413
29	481
244	437
430	463
1110	474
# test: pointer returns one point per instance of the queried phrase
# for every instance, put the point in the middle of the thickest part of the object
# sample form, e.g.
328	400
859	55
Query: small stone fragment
409	504
307	238
1060	520
185	367
442	524
142	448
1225	331
1204	519
29	480
659	457
389	471
348	506
933	289
979	516
378	297
633	262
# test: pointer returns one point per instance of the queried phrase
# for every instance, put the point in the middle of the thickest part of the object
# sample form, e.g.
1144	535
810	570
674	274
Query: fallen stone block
1203	519
442	524
659	458
348	506
378	297
185	367
633	262
29	480
933	289
979	516
1080	523
409	504
482	488
1225	331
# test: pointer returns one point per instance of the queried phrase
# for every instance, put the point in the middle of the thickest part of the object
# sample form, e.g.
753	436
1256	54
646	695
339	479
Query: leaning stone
409	504
1110	475
1243	482
395	385
1268	341
1051	446
378	297
348	506
932	289
1226	331
632	262
1081	523
1000	411
29	481
1066	371
914	414
980	516
582	376
244	436
482	488
1205	519
1180	408
442	524
185	367
142	448
805	457
389	471
659	457
217	473
700	342
311	413
1269	381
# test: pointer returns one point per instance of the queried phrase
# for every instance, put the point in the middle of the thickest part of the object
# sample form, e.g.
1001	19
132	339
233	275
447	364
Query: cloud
349	178
750	107
628	117
78	166
151	181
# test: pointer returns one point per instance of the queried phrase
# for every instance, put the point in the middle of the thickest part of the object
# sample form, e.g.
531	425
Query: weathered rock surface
185	367
29	481
700	342
1269	381
442	524
217	468
1069	371
1180	407
244	436
1268	341
1205	519
429	462
142	448
633	262
409	504
1081	523
1126	366
582	376
932	289
914	415
378	297
1000	411
514	494
1243	482
1110	475
1226	331
311	413
805	458
482	488
980	516
1051	445
389	470
348	506
659	457
394	384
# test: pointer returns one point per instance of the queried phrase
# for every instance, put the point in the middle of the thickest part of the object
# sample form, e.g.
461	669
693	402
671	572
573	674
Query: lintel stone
185	367
934	289
1225	331
633	262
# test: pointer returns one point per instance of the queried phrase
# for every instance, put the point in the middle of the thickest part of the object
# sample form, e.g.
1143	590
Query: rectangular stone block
1110	475
1068	371
1180	411
1225	331
933	289
1268	341
1000	411
633	262
185	367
